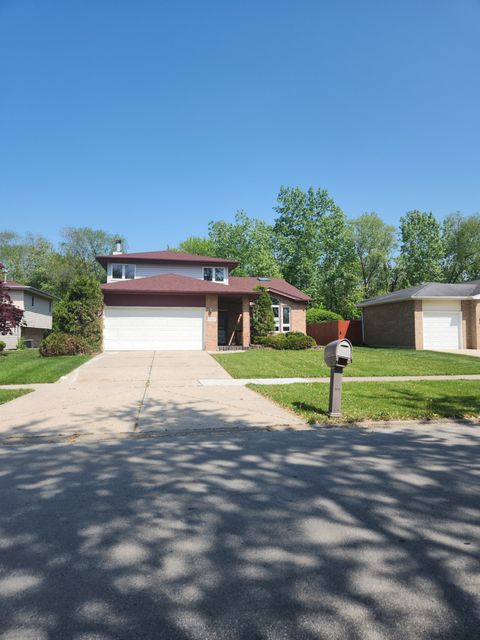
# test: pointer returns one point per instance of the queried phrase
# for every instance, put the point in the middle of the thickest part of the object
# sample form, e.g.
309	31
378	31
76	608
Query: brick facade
211	322
393	324
471	322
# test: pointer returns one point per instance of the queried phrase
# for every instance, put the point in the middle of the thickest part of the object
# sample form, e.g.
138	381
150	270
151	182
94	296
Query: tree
11	316
374	242
461	239
80	312
421	250
26	257
247	240
314	246
80	246
198	246
263	321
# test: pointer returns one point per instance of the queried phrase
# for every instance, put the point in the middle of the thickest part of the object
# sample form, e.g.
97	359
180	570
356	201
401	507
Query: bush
2	345
294	340
319	314
80	312
263	321
63	344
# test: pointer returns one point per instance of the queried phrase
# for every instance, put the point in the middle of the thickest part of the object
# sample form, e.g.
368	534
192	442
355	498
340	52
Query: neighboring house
172	300
37	317
428	316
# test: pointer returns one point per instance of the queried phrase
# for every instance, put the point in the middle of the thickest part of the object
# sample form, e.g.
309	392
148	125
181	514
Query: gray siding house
37	307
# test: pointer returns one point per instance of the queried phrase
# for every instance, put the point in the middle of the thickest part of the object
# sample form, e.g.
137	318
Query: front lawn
367	361
423	399
10	394
28	367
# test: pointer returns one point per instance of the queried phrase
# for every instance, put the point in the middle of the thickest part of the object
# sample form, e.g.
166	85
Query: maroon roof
173	283
177	257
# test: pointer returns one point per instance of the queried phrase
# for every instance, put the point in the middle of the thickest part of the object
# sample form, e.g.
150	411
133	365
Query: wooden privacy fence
325	332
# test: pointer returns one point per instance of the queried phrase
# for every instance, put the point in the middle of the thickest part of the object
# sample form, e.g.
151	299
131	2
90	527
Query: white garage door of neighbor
442	329
153	329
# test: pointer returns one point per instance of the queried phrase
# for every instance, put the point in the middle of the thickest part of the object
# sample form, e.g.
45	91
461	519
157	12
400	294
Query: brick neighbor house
167	300
429	316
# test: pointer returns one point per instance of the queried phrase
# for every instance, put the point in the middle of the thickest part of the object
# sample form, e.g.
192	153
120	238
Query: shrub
80	312
263	321
63	344
294	340
2	345
319	314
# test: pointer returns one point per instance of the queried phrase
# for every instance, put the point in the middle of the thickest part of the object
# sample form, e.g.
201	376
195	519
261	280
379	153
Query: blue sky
151	118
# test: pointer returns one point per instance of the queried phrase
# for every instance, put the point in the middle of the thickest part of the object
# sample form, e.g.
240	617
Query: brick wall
471	322
211	322
397	324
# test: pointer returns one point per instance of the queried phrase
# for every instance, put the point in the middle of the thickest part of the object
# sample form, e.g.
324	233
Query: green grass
28	367
367	361
424	399
10	394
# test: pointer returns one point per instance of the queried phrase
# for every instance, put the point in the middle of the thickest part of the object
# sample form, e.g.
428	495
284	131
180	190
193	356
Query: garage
442	324
153	328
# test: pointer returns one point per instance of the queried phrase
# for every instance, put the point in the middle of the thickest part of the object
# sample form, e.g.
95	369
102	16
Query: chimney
118	248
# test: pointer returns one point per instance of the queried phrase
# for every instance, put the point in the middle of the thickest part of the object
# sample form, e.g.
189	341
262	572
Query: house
167	300
37	307
429	316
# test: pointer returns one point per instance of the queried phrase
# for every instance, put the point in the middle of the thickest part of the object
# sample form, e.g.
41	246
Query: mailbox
338	353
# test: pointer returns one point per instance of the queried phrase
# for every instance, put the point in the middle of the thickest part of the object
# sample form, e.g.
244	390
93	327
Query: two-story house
37	307
167	300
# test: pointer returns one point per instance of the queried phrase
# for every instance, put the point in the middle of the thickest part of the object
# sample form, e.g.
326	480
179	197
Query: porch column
471	324
245	321
211	322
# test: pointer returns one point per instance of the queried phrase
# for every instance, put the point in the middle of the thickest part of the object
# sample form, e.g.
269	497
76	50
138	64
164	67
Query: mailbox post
337	355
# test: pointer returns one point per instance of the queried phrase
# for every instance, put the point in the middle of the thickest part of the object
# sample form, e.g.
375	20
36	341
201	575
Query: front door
222	328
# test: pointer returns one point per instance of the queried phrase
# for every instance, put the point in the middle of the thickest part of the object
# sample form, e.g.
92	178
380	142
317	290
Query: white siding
145	269
38	316
11	340
442	305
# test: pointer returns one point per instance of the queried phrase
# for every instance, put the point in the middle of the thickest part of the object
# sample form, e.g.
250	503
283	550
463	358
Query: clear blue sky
152	117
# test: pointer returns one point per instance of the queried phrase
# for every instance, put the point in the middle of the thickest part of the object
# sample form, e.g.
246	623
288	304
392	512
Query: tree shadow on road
337	533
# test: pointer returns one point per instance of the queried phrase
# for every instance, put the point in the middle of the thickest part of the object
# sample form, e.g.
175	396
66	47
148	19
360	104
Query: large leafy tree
80	245
421	249
461	238
247	240
374	242
198	246
11	316
314	247
26	257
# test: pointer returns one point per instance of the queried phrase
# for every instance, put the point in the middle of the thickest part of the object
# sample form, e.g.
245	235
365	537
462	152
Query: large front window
123	271
214	274
281	315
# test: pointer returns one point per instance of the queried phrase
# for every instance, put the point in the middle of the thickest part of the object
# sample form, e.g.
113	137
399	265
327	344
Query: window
216	274
276	313
285	318
33	301
49	306
123	271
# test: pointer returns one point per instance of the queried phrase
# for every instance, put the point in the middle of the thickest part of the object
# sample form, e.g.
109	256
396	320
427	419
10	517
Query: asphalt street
333	533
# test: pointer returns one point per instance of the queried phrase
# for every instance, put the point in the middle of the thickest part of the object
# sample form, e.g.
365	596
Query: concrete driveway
333	534
123	392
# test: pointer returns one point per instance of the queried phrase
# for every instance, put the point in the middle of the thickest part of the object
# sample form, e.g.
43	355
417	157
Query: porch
227	322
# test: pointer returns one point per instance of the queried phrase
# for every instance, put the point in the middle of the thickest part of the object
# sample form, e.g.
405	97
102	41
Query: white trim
123	265
213	267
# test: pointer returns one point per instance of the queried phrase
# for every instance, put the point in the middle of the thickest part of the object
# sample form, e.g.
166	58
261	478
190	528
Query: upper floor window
49	306
33	301
123	271
214	274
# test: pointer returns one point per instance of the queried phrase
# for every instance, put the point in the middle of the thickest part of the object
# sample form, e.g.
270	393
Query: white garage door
147	328
442	329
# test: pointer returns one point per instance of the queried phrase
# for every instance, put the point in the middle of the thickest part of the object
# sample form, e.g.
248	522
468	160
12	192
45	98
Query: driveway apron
126	392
